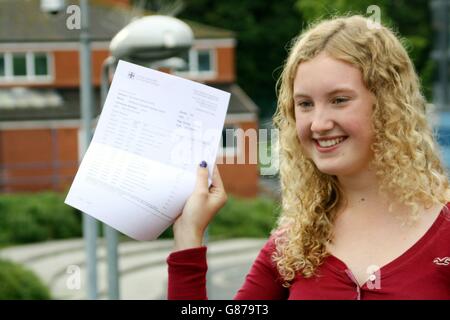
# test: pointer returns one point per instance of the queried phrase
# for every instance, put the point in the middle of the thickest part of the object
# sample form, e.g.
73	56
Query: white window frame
193	71
30	76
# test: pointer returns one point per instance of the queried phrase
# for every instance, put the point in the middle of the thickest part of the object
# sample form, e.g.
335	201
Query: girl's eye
340	100
307	104
304	104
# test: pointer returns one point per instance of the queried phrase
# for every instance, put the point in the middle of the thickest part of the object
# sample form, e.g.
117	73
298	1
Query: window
19	64
2	65
204	61
228	137
40	64
25	66
199	63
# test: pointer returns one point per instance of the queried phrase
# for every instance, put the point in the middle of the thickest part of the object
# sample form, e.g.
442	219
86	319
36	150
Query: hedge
242	218
28	218
18	283
34	217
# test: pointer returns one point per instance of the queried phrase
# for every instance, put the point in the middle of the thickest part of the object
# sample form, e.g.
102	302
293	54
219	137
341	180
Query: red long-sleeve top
422	272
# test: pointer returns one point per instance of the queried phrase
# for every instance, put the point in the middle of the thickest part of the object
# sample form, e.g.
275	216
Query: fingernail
203	164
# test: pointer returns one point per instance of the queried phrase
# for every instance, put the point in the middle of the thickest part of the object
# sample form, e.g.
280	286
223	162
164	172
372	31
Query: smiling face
331	101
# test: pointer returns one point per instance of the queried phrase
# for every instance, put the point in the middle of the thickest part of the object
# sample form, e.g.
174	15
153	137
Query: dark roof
23	21
240	102
70	108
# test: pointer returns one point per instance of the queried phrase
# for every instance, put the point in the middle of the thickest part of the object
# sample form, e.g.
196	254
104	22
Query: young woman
364	192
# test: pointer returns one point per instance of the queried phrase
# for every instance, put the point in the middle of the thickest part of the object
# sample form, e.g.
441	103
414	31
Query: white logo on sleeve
445	261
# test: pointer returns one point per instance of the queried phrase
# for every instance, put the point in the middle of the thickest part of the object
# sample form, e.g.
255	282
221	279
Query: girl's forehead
324	66
324	73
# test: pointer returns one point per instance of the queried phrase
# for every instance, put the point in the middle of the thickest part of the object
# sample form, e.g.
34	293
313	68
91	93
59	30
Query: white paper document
141	165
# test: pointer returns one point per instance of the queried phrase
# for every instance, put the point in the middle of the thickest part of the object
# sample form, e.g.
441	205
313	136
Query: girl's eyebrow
334	91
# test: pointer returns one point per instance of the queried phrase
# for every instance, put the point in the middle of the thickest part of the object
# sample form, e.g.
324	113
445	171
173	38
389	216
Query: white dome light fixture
53	6
152	38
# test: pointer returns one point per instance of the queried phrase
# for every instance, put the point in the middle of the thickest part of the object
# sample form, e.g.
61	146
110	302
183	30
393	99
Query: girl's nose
321	121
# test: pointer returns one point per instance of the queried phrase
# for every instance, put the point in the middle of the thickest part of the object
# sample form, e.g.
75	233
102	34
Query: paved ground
142	265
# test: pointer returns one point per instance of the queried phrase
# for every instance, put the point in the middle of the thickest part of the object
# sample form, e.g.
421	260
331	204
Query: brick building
39	92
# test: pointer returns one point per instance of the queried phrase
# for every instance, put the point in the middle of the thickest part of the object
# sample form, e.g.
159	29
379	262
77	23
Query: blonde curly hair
406	158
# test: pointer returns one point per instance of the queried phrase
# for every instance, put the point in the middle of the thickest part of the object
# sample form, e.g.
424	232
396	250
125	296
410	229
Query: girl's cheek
302	133
358	126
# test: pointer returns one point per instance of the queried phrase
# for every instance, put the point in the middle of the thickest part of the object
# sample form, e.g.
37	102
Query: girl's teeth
330	143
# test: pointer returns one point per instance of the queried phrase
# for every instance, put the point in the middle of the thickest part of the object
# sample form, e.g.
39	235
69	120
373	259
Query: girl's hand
200	208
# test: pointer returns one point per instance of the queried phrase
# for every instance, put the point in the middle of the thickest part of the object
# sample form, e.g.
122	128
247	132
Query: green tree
263	30
410	19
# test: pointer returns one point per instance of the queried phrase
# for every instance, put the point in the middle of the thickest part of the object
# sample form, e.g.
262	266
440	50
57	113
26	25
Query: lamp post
143	41
89	223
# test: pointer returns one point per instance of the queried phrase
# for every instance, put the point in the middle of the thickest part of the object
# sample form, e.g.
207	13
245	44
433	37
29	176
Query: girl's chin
330	170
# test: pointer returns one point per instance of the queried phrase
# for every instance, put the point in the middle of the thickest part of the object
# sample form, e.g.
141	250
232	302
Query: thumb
201	184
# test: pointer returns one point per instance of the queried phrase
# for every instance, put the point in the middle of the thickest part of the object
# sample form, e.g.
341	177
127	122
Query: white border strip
240	117
39	124
57	46
104	45
208	43
76	123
